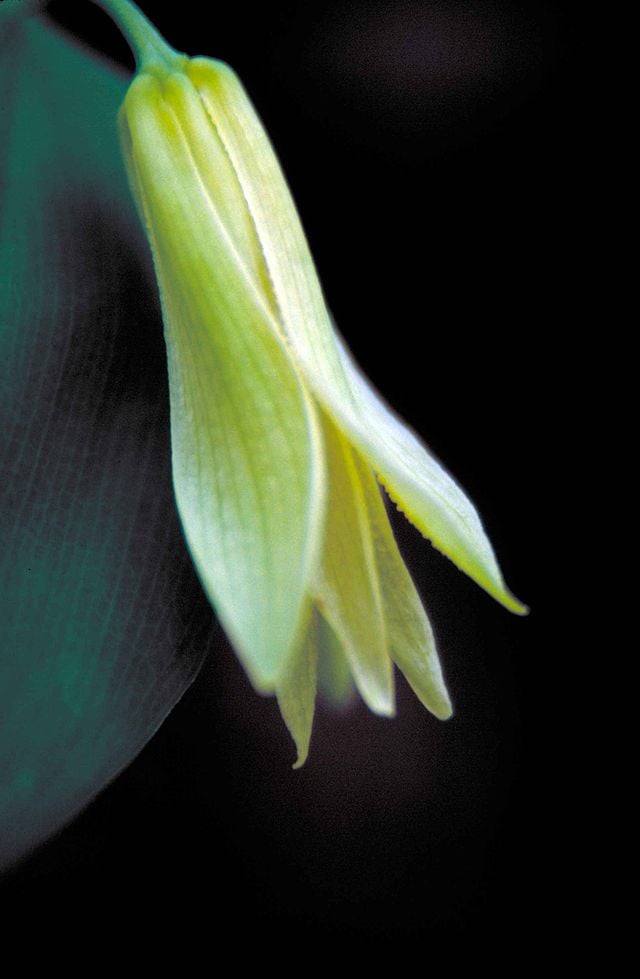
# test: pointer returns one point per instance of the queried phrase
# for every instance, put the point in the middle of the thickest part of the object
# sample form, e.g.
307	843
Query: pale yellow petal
410	637
247	453
347	590
423	489
296	689
335	683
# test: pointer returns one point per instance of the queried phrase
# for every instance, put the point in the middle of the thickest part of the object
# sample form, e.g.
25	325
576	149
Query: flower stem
144	40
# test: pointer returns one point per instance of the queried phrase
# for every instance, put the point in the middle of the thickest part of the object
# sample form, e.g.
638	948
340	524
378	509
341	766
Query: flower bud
276	435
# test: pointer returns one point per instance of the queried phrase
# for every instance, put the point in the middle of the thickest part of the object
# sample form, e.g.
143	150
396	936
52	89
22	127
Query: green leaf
103	624
423	489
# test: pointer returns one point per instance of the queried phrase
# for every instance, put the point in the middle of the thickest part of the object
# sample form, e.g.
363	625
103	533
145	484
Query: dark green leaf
103	624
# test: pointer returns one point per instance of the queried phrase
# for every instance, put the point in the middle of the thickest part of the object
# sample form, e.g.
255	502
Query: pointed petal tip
382	708
432	693
436	700
487	574
511	603
443	711
380	699
301	739
496	588
378	693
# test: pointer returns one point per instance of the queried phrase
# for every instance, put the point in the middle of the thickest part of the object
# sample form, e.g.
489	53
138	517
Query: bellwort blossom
278	441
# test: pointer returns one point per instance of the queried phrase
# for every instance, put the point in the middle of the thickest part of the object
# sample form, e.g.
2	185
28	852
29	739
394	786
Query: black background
428	146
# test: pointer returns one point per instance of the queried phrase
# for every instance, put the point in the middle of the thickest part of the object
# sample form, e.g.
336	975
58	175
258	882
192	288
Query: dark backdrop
427	145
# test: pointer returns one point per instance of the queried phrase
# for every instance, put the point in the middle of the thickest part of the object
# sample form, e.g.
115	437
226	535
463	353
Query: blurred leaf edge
104	625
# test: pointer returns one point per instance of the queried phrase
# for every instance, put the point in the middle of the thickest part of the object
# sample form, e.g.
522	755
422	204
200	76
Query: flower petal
335	683
409	633
428	495
347	590
425	492
247	452
296	689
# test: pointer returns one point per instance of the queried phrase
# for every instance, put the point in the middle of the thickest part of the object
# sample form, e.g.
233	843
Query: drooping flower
277	438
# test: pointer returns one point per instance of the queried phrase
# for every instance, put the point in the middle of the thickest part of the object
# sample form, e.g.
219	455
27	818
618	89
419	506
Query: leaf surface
103	623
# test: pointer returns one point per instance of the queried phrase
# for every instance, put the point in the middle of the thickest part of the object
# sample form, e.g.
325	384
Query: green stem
144	40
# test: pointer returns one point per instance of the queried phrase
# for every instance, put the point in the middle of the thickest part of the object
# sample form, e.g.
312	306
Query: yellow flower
277	438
